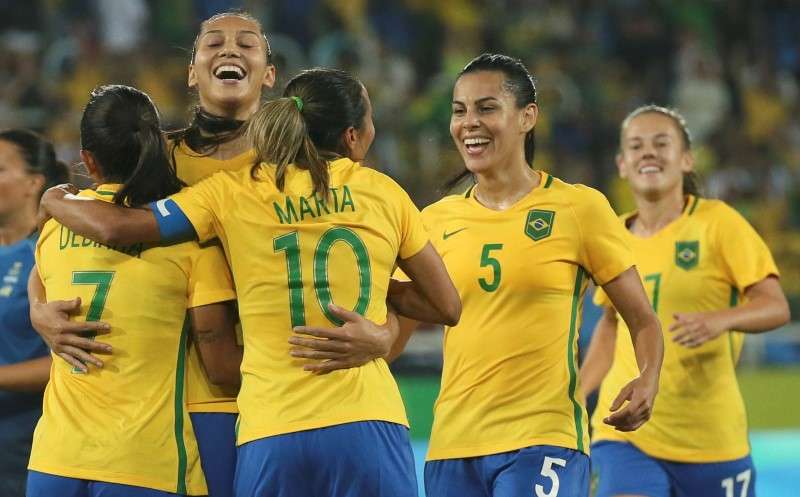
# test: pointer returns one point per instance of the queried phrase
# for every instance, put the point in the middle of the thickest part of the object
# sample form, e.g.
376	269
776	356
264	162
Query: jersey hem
243	438
700	457
111	477
207	298
491	449
222	406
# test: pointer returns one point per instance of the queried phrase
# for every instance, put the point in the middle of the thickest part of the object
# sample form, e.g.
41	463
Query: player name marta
296	209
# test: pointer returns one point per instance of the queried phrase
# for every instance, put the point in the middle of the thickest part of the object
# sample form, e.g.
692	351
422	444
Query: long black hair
305	127
206	132
120	127
518	81
39	156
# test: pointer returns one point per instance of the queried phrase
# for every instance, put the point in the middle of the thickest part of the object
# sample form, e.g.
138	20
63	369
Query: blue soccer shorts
216	439
623	469
537	471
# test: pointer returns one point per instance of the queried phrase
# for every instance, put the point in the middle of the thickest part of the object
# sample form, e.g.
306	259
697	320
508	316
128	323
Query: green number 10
290	243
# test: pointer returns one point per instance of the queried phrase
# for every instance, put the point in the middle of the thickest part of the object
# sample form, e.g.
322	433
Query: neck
232	111
17	227
656	213
500	189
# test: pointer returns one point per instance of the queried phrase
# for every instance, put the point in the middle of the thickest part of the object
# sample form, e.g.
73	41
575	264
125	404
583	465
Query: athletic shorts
47	485
216	439
365	458
622	469
540	471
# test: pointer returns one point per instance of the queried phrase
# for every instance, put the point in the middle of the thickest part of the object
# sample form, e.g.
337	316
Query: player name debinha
67	239
295	209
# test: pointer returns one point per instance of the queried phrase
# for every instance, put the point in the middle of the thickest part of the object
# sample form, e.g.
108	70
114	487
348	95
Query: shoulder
721	217
578	197
444	207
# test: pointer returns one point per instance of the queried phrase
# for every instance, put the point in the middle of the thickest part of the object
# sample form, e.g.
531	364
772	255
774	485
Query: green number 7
103	281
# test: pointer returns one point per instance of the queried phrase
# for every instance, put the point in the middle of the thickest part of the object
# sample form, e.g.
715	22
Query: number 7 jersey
126	423
510	365
292	253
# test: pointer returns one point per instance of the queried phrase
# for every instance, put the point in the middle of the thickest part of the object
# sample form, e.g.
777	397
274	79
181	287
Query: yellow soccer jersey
702	261
201	395
291	254
126	423
510	365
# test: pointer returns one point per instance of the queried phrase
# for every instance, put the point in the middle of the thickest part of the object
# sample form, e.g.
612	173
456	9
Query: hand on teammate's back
640	394
69	339
357	342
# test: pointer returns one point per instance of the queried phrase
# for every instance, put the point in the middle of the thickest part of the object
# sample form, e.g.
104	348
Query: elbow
110	234
452	314
784	314
223	377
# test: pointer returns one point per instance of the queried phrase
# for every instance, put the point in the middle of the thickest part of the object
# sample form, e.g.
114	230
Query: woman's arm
407	327
67	338
104	222
629	298
25	376
355	343
765	309
430	296
600	355
214	332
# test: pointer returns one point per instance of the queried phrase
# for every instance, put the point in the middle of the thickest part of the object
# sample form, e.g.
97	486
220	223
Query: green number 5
494	264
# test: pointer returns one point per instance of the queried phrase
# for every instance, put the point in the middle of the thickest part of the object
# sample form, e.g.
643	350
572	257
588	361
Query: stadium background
731	67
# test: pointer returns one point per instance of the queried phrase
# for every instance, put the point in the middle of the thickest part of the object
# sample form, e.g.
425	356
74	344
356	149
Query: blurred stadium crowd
732	67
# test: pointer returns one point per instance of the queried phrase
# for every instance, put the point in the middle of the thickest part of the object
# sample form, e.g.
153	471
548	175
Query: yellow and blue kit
126	423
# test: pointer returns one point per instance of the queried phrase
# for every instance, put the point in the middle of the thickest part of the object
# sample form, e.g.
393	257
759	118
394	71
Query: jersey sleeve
604	250
210	278
745	257
413	236
200	204
600	298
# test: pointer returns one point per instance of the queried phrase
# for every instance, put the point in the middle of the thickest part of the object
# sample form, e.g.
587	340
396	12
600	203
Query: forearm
406	328
758	315
104	222
26	376
407	299
648	345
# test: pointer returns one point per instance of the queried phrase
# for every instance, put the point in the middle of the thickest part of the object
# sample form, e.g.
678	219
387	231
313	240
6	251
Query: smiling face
486	125
230	66
653	156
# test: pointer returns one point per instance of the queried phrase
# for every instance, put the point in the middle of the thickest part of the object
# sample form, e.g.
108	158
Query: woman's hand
355	343
693	329
69	339
640	394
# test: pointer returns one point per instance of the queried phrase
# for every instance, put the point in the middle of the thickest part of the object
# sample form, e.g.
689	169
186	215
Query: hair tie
298	102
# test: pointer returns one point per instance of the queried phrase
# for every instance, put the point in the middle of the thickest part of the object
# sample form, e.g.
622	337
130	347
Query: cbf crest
539	224
687	254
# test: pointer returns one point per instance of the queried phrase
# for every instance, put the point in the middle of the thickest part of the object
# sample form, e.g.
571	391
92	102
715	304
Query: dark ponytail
120	127
692	184
306	126
519	82
39	156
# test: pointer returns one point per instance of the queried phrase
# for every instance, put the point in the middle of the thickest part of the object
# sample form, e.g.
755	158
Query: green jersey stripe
573	373
179	401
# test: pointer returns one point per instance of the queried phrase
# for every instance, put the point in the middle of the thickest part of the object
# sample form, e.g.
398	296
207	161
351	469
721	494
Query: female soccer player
28	165
230	67
521	247
337	229
698	258
123	429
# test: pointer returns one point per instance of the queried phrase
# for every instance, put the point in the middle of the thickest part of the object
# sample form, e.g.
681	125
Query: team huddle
234	334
